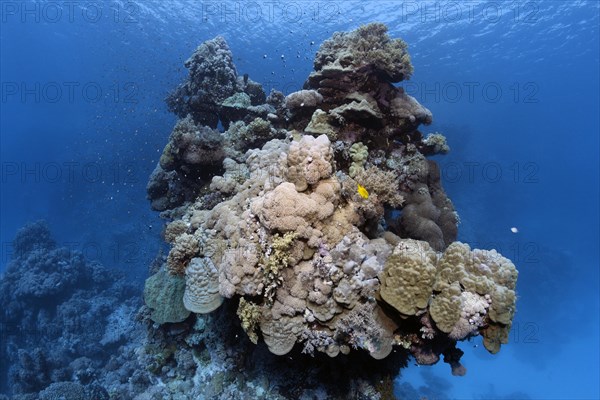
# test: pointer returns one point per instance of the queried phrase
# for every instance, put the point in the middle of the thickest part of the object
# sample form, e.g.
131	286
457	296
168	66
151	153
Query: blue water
514	86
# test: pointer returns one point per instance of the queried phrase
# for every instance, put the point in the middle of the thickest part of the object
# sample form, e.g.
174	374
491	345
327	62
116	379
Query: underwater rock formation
323	228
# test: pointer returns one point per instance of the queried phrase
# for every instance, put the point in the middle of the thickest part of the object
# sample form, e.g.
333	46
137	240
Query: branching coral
384	184
250	315
277	257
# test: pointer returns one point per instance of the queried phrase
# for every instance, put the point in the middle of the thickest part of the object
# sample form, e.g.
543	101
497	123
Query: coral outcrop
213	93
321	225
212	79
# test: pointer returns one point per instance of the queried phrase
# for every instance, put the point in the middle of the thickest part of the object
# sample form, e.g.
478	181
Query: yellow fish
363	192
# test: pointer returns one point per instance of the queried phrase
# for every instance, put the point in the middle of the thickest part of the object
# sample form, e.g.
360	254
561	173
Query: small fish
363	192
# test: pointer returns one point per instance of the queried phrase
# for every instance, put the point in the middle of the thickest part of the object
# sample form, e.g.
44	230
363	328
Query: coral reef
481	286
354	73
62	320
191	146
359	154
333	233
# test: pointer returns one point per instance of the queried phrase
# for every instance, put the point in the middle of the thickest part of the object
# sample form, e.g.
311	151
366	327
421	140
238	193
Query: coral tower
269	224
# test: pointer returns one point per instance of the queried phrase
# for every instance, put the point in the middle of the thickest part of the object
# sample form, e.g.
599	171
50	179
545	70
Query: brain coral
281	233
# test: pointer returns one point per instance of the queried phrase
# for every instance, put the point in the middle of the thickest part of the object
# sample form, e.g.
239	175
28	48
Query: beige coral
185	247
321	124
286	210
309	161
235	175
488	274
408	276
174	230
250	315
357	110
281	335
359	154
445	307
404	106
201	294
303	98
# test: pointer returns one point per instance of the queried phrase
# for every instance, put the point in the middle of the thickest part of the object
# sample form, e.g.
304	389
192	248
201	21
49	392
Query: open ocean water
513	85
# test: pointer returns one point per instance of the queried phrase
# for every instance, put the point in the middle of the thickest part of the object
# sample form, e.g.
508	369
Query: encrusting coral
285	232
